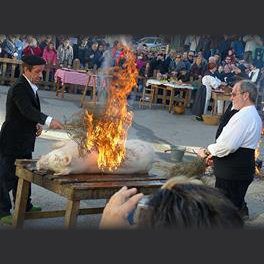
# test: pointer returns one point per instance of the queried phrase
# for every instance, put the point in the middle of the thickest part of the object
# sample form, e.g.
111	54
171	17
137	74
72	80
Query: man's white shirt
243	130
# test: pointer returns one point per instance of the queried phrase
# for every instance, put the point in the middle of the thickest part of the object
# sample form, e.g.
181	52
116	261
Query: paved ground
156	126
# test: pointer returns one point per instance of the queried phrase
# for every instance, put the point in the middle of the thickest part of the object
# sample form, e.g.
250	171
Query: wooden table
221	96
65	76
184	90
74	188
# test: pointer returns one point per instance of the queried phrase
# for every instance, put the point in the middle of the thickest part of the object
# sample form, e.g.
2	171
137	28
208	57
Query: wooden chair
147	97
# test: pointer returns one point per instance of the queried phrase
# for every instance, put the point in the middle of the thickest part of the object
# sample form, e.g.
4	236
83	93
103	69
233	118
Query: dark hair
211	65
189	205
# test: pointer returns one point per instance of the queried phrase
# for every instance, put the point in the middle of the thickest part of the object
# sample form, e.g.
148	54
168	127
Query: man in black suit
23	123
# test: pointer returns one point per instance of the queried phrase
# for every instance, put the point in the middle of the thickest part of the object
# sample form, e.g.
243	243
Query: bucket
177	153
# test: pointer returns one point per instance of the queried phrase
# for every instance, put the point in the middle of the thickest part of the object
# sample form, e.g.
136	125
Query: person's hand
209	161
118	208
39	130
56	124
205	155
202	153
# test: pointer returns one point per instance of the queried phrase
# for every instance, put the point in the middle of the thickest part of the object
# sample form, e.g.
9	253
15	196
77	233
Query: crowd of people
226	58
59	50
233	55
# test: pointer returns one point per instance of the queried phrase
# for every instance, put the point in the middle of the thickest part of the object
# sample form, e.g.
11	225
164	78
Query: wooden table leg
62	90
83	95
171	99
215	107
21	203
94	93
13	73
4	68
186	97
57	84
71	214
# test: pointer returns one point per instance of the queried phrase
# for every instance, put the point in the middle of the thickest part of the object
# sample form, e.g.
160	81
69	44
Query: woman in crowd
197	69
32	49
50	56
232	56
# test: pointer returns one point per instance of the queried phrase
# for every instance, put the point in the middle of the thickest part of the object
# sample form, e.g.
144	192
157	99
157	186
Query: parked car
152	43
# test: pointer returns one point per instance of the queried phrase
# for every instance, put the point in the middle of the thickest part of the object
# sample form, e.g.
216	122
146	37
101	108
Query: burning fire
108	135
257	169
257	154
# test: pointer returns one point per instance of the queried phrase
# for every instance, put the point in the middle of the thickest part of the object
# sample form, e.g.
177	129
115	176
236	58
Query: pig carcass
64	159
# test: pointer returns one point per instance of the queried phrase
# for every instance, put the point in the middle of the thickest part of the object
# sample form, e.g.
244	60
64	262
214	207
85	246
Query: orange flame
109	135
257	153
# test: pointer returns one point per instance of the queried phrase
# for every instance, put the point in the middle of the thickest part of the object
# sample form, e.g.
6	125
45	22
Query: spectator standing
238	46
224	46
252	41
33	49
65	54
80	50
9	48
92	56
19	46
45	40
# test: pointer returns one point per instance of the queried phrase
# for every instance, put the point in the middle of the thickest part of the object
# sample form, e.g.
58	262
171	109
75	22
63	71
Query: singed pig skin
64	159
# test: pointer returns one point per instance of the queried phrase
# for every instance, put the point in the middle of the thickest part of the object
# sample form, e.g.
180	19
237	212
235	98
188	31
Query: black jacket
18	133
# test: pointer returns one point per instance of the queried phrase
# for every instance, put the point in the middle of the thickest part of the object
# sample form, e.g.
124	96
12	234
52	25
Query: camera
142	207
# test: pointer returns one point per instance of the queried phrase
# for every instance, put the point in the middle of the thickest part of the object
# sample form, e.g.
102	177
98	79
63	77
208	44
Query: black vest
239	165
224	119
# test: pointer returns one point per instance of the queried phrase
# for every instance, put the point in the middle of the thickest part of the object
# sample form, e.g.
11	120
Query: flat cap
33	60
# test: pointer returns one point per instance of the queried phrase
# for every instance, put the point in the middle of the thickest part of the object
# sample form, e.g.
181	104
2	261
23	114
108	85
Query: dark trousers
9	180
235	190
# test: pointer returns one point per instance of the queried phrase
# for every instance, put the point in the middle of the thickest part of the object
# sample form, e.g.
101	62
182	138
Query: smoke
109	61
